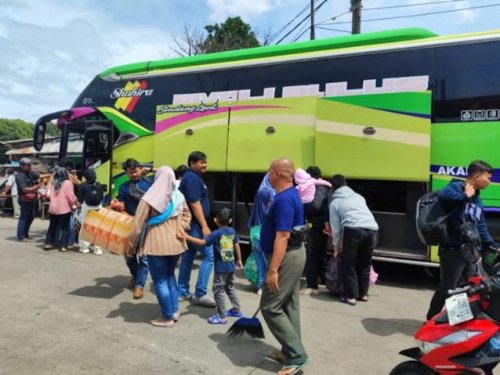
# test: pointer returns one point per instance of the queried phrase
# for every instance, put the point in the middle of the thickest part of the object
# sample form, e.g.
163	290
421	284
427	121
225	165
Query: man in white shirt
11	187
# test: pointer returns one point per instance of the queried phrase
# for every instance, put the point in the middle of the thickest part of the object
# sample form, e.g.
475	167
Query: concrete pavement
70	313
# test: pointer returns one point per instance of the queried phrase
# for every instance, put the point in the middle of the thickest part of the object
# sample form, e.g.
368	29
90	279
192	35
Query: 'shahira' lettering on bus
128	96
389	85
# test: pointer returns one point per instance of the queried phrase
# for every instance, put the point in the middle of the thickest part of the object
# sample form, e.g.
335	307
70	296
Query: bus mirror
39	134
369	130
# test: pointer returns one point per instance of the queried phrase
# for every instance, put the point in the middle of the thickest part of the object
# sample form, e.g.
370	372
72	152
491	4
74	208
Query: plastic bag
250	269
373	276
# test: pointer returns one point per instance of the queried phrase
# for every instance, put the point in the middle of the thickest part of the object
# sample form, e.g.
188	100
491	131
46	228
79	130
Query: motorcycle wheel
412	368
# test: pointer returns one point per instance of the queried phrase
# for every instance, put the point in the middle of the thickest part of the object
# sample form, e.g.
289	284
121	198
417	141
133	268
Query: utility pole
356	16
313	34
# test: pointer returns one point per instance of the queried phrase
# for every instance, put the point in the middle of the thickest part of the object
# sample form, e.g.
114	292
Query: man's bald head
281	173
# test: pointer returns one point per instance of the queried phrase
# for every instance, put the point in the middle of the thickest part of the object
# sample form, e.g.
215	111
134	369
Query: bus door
94	140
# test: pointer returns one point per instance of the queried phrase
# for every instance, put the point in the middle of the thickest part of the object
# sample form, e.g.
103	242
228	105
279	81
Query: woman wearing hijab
90	194
62	200
261	204
161	216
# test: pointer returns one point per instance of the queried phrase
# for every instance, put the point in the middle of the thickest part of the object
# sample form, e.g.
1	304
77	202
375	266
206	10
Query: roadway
70	313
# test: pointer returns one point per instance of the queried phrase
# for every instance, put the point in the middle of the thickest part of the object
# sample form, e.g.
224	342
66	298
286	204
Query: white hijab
161	192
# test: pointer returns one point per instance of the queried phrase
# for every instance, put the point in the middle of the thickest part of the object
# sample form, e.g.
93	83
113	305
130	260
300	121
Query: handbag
334	276
28	197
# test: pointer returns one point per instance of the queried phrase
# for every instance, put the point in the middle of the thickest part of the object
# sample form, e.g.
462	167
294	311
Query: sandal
216	319
233	313
295	369
309	292
277	356
163	323
349	301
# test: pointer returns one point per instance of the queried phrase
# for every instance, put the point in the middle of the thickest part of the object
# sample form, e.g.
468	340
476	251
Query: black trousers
61	221
454	267
315	256
357	252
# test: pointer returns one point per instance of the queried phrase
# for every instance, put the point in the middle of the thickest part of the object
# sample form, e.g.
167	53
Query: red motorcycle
464	338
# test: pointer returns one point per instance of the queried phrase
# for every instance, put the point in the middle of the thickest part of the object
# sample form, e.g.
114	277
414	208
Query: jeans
224	282
61	222
70	238
357	252
162	270
260	257
453	266
315	256
138	266
26	218
206	266
281	310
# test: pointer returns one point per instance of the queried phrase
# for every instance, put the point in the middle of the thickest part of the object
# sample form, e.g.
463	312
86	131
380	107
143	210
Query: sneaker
182	298
84	250
204	301
97	251
259	292
138	293
233	313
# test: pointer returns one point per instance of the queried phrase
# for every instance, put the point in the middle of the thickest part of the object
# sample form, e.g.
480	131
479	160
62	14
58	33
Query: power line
414	4
301	22
389	7
333	29
416	15
275	35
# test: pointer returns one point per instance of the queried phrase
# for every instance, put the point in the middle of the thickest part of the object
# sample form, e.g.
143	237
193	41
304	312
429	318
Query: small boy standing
227	258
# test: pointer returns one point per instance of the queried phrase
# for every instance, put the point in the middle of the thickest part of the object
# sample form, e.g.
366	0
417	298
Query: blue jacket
472	209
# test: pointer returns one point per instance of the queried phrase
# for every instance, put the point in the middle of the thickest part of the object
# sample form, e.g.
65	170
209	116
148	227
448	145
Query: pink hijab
160	193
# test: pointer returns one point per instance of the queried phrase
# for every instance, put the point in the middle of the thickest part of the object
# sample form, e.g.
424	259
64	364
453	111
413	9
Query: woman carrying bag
62	201
161	216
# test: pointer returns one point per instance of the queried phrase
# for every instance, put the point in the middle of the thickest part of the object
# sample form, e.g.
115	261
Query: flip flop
277	356
216	319
346	300
162	323
296	368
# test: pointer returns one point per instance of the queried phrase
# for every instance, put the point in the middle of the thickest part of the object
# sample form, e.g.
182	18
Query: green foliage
11	130
233	34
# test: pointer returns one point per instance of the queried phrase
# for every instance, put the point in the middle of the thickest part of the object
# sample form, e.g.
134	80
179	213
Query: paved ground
69	313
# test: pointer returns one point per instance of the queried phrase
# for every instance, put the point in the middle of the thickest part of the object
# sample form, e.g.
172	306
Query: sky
51	49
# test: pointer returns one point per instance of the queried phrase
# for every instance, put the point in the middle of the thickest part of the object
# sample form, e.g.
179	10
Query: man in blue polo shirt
129	196
196	193
281	239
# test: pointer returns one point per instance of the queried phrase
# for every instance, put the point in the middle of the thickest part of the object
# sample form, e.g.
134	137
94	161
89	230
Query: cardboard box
107	229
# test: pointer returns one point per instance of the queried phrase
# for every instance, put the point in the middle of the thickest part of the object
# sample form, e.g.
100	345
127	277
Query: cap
25	161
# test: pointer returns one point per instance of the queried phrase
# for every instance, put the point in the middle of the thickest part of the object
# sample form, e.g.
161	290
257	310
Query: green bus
398	112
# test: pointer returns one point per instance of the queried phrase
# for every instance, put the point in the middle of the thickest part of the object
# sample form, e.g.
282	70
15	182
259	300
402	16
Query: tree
11	130
230	35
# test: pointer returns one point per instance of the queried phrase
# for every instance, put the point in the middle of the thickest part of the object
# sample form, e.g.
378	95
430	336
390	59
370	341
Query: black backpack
431	217
94	194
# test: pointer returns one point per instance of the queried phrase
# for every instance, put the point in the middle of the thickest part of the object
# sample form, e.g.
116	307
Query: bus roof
357	40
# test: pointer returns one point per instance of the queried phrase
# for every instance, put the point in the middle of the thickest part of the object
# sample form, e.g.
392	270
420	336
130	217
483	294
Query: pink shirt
62	200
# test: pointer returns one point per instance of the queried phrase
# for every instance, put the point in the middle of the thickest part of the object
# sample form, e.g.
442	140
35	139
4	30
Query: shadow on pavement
136	312
246	352
388	327
106	287
202	311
